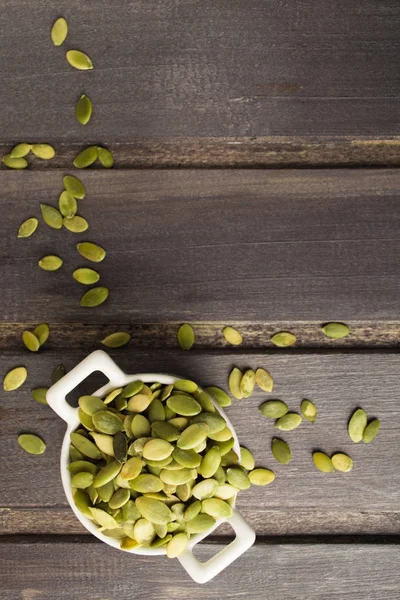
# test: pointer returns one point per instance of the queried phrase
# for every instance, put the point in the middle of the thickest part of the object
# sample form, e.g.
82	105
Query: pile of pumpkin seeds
154	464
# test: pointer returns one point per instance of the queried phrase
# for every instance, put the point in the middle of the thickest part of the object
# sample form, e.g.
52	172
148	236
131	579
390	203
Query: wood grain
286	571
172	68
304	246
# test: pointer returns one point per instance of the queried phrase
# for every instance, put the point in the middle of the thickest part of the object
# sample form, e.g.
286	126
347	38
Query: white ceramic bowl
56	398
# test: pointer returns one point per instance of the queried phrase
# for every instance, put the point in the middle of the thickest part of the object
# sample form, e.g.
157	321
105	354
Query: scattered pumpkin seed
357	425
58	374
91	251
20	150
28	227
186	336
371	431
86	157
247	459
309	411
261	476
51	216
323	462
42	333
234	380
264	380
74	186
39	394
94	297
86	276
273	409
59	31
281	451
30	341
79	60
288	422
283	339
14	379
342	462
76	224
43	151
67	205
14	163
50	263
31	443
83	110
336	330
247	383
105	157
116	340
232	336
219	396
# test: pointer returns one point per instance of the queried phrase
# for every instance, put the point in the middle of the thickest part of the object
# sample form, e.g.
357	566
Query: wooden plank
308	246
82	570
202	69
337	383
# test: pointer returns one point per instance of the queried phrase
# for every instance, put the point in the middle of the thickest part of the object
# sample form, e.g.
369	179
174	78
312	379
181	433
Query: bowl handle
203	572
97	361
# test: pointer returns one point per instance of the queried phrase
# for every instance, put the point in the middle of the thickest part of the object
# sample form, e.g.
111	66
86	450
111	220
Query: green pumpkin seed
261	476
184	405
336	330
14	163
309	411
154	511
183	491
82	480
50	263
140	444
192	436
281	451
273	409
91	251
221	436
166	392
119	498
323	462
28	227
103	441
131	468
94	297
74	454
91	404
82	503
357	425
86	158
288	422
30	341
107	422
186	336
57	374
200	524
157	449
140	426
107	473
238	478
234	380
132	388
219	396
179	422
176	477
130	513
67	205
85	446
283	339
186	458
79	60
39	394
76	224
217	508
247	383
185	385
342	462
229	458
192	511
173	526
102	518
83	110
247	459
116	340
14	379
205	489
371	431
177	545
226	491
86	276
232	336
20	150
59	31
146	484
82	466
43	151
117	534
42	333
225	447
31	443
210	463
128	544
205	401
85	419
51	216
105	157
165	431
105	492
264	380
74	186
120	445
138	403
156	411
220	477
160	529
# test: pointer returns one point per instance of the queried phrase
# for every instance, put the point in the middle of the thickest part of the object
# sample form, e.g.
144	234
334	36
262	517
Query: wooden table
250	92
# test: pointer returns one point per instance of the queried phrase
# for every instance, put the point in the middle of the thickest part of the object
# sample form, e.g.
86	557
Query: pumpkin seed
205	489
42	333
131	468
107	474
177	545
183	491
94	297
357	425
86	276
80	466
157	449
336	330
154	511
116	340
225	447
138	403
107	422
82	503
232	336
283	339
139	444
39	394
76	224
14	379
220	477
91	251
204	400
179	422
59	31
281	451
102	518
86	157
247	459
105	157
140	426
119	498
31	443
234	380
74	186
20	150
186	336
186	458
43	151
51	216
85	419
247	383
229	458
57	374
185	385
83	110
210	463
261	476
192	436
219	396
28	227
156	410
273	409
371	431
288	422
146	483
91	404
120	446
342	462
30	341
128	544
264	380
192	511
199	524
217	508
85	446
165	431
14	163
130	513
221	436
238	478
67	205
184	405
79	60
50	263
132	388
226	491
82	480
323	462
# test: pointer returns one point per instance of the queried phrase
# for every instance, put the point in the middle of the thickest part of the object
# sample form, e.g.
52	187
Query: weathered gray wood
284	572
177	68
182	245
